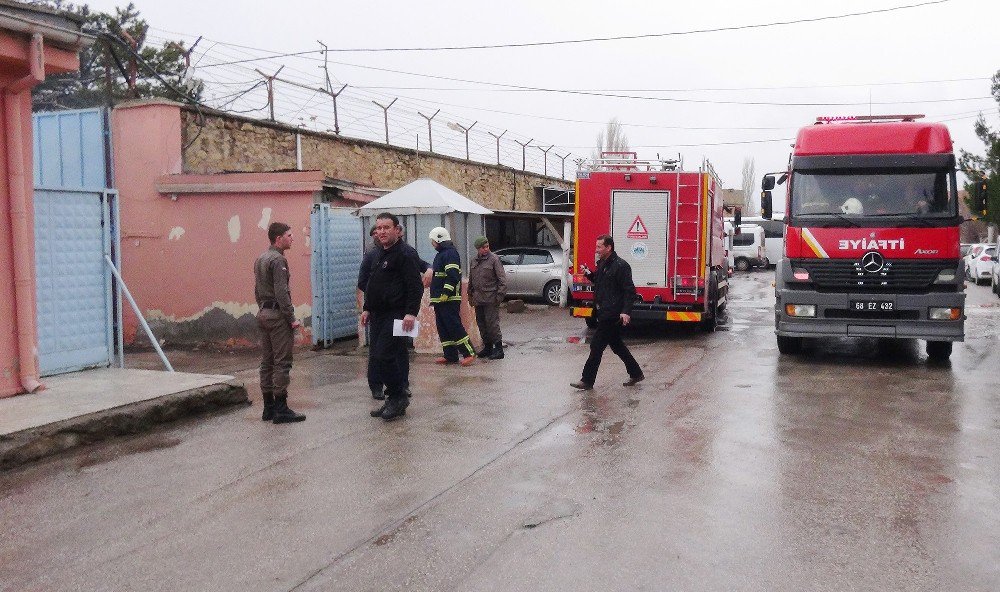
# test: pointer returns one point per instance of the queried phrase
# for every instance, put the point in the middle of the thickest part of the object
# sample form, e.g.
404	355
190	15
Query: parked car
995	269
749	248
533	271
965	248
979	262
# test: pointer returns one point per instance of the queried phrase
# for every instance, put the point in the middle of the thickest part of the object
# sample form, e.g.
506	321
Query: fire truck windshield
887	194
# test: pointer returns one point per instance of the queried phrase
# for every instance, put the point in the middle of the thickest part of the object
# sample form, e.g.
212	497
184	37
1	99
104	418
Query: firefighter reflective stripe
448	287
813	244
464	343
440	274
453	266
683	316
446	298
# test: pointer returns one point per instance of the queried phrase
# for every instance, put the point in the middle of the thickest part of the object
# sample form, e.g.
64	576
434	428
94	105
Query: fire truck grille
848	275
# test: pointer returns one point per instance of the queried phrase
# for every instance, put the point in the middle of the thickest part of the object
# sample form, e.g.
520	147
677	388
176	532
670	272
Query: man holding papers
393	293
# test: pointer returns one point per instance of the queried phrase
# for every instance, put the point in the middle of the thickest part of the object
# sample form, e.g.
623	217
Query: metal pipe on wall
23	246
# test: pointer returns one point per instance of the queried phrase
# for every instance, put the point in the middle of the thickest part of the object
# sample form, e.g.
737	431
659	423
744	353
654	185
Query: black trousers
608	334
375	382
384	353
454	339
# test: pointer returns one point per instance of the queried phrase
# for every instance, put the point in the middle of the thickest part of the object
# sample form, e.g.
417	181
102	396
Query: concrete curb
29	445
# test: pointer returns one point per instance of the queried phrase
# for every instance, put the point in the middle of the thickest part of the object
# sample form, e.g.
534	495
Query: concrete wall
189	241
217	143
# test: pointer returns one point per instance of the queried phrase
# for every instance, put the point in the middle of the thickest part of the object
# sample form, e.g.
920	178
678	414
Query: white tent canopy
423	196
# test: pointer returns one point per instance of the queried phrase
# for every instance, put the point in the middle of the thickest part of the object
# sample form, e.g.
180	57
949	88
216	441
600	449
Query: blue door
73	233
336	257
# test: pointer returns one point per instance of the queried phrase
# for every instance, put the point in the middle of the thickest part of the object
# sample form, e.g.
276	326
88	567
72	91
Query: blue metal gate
337	249
74	219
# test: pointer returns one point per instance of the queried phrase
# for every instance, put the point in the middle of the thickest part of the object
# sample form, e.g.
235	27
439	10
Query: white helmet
439	235
853	206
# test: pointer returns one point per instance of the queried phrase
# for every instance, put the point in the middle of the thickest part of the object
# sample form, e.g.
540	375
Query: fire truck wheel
789	345
938	350
551	292
743	264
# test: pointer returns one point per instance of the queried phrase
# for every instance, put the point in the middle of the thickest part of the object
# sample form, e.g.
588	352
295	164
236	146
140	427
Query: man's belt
270	304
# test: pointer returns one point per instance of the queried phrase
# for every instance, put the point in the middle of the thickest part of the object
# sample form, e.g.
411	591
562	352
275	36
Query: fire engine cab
666	223
872	236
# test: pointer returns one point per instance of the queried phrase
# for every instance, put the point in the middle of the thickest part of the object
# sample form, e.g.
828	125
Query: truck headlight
946	276
944	314
800	310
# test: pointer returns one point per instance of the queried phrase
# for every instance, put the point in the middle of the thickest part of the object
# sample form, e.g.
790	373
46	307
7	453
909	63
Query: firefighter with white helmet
446	298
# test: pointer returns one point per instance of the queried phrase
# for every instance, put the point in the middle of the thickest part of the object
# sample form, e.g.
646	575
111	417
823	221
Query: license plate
872	306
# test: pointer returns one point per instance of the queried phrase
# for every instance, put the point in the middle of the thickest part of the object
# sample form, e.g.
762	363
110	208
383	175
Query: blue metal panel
74	288
69	149
336	237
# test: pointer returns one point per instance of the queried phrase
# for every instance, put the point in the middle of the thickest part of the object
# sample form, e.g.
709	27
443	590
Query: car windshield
872	193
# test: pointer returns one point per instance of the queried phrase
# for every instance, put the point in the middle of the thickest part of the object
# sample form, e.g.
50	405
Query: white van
774	236
748	249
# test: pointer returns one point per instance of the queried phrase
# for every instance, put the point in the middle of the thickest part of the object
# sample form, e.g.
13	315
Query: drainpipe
20	200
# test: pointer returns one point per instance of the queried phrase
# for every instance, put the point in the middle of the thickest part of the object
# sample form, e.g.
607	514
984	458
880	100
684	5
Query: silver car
533	271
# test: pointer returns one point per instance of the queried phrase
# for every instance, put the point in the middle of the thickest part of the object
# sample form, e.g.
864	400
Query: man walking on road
614	294
393	292
277	324
446	298
487	287
375	383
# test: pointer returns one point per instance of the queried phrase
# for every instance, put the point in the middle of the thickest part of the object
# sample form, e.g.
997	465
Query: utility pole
385	112
430	139
498	143
270	88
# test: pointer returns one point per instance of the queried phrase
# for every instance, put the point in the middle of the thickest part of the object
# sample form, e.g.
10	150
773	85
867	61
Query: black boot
268	413
497	351
395	408
378	412
283	414
486	351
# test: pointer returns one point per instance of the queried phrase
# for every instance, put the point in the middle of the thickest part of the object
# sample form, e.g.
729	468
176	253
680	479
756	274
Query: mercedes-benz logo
872	262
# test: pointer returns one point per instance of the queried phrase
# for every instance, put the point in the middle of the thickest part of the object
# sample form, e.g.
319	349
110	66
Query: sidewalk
83	407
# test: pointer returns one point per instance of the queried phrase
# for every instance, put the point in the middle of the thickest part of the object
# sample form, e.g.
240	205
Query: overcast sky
945	52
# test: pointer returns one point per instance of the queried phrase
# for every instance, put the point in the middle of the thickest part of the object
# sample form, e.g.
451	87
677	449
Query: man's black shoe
486	351
268	413
284	414
377	412
497	352
378	395
392	412
583	386
633	380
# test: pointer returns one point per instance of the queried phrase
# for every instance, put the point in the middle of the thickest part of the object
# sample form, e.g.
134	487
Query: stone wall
215	142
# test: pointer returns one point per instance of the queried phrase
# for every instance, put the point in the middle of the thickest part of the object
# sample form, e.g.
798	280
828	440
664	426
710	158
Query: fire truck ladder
686	272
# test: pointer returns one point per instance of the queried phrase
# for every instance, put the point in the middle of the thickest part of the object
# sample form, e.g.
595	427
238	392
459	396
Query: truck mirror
767	183
765	205
737	219
782	178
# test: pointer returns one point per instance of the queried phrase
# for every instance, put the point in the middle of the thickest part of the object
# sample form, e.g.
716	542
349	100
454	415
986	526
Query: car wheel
743	264
551	292
939	350
789	345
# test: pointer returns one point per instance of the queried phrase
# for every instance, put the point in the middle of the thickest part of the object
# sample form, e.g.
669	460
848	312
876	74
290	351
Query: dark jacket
446	285
372	254
614	292
487	280
394	287
271	279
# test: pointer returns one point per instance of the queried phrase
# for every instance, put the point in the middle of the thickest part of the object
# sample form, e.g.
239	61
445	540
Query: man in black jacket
614	294
393	292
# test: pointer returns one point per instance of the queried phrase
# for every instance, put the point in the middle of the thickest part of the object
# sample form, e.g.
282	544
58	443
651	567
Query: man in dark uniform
393	292
375	384
276	320
614	294
446	298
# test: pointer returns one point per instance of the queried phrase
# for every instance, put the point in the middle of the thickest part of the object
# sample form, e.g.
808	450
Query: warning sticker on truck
637	230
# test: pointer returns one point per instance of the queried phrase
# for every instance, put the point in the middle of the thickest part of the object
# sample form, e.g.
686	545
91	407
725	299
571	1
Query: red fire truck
872	234
667	223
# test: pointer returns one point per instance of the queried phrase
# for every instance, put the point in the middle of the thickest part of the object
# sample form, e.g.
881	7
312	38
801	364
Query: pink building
34	42
188	241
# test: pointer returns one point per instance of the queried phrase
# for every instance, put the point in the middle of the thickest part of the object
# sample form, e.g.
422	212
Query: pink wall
189	241
14	56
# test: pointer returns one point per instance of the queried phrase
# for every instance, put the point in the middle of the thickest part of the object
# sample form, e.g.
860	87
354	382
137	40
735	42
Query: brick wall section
225	143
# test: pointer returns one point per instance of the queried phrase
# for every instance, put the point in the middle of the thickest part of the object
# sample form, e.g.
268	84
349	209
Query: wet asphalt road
856	466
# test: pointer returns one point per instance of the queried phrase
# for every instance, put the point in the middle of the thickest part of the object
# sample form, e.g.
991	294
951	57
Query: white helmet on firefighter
853	206
439	235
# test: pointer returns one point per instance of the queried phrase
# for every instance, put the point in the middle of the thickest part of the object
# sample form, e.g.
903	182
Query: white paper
397	329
